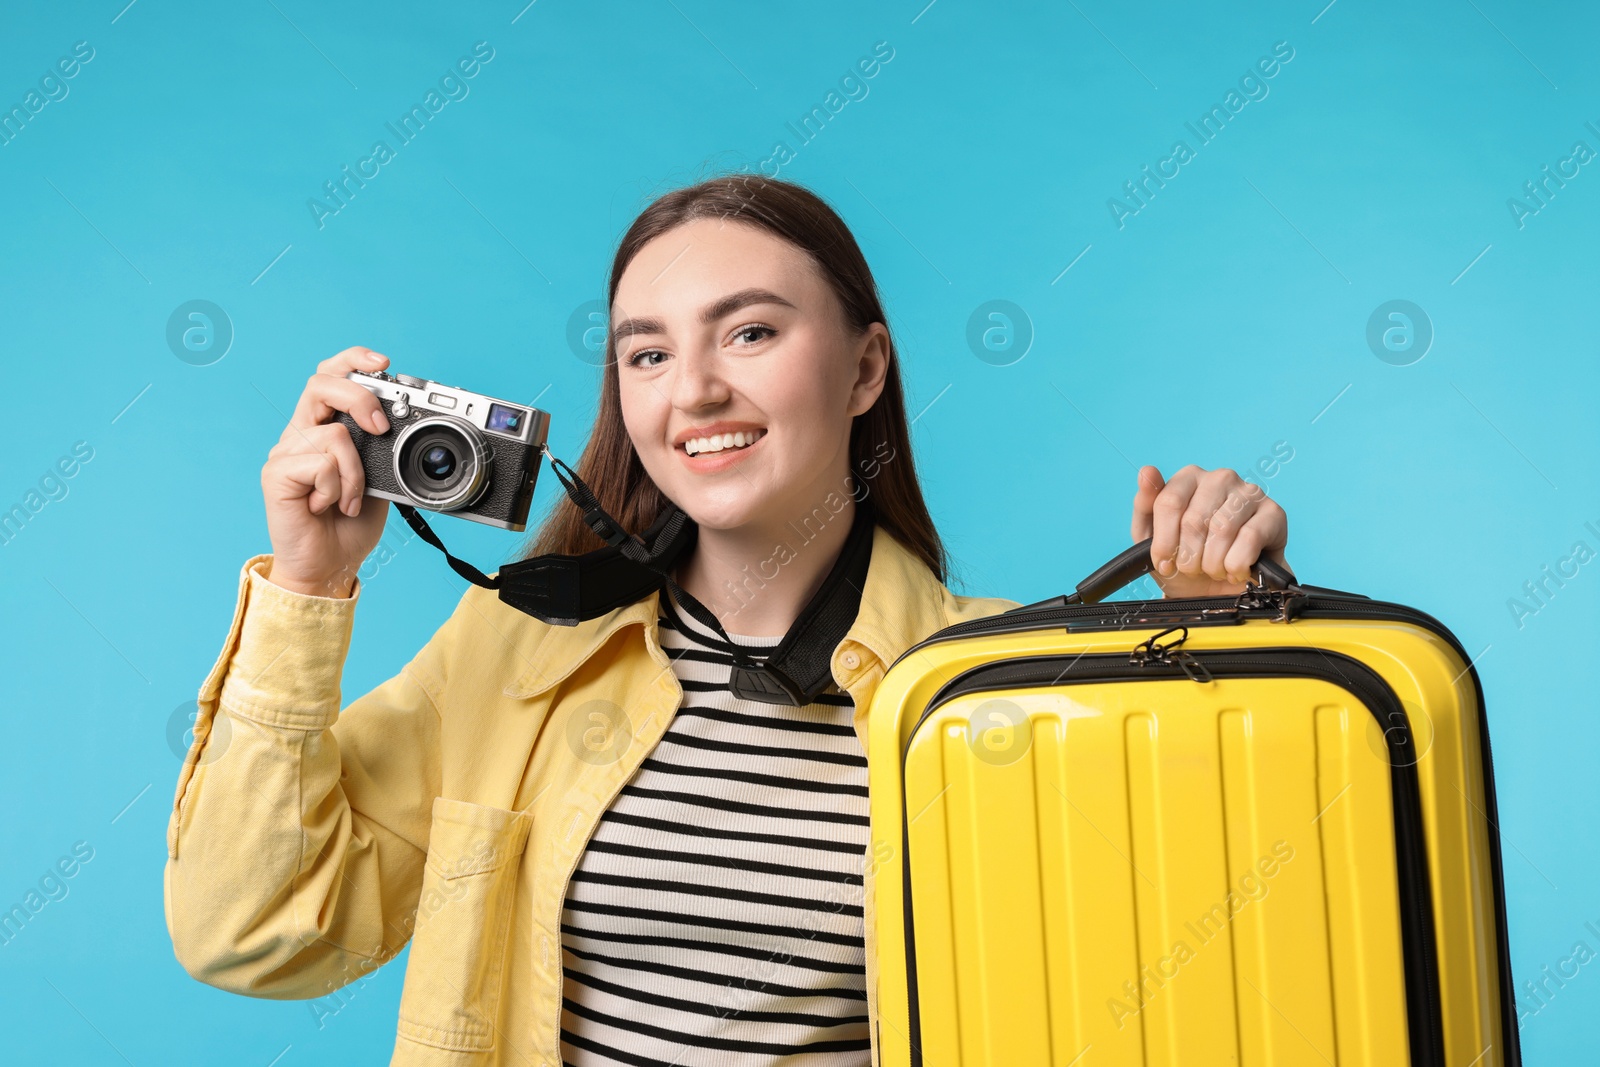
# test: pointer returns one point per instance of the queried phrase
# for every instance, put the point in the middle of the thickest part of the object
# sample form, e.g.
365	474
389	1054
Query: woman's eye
646	356
759	332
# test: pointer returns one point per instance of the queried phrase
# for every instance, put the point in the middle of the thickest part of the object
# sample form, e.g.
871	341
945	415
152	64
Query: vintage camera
451	450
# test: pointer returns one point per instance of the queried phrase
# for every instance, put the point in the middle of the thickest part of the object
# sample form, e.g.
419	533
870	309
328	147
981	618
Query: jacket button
850	661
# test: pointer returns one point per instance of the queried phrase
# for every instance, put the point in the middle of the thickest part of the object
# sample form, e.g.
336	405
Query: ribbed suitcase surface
1267	843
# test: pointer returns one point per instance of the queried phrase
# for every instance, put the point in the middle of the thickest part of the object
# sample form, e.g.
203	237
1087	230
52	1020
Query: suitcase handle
1135	561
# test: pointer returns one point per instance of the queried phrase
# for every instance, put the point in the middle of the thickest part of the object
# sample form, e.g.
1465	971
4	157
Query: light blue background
1224	317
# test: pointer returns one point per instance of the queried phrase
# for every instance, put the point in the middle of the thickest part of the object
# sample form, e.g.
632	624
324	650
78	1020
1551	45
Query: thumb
1144	502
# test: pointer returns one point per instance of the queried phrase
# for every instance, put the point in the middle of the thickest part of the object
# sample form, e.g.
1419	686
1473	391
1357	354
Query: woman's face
727	334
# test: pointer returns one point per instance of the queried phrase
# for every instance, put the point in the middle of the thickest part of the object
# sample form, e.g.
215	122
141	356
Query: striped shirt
714	919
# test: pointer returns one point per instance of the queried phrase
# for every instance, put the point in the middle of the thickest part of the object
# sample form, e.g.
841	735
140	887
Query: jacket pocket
451	996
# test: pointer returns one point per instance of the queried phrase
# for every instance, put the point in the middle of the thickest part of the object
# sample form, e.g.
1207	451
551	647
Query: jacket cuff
285	664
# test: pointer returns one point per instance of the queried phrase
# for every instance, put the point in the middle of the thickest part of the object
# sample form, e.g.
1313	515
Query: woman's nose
698	381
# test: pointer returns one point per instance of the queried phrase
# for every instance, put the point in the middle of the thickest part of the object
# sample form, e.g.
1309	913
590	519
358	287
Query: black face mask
565	590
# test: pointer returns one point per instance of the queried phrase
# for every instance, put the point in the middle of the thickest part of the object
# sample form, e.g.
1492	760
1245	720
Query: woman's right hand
312	482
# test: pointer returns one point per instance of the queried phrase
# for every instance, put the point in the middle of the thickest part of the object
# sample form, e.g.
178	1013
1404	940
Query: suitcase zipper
1418	948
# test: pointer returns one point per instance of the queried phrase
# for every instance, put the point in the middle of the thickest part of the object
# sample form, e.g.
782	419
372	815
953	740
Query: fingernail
383	423
1166	568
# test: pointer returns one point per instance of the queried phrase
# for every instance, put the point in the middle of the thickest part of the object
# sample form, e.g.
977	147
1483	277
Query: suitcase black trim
1418	948
1320	603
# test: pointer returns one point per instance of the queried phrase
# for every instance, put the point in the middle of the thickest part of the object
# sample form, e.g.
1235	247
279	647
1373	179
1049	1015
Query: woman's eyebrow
708	314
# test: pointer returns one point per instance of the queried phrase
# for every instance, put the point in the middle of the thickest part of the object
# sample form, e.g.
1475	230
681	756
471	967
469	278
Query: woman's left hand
1207	529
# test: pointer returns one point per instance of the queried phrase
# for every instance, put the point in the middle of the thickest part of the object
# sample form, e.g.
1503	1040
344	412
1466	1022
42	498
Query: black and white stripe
714	920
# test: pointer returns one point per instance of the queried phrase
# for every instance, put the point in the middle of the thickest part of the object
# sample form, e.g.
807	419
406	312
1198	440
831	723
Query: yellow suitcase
1239	830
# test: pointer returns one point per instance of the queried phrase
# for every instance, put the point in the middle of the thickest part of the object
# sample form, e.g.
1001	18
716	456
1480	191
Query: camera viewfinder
505	418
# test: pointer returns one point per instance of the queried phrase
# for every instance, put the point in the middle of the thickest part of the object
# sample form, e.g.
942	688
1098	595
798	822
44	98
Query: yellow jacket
449	805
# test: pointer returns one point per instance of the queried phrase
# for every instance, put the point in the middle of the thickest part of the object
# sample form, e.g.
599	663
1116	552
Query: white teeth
720	442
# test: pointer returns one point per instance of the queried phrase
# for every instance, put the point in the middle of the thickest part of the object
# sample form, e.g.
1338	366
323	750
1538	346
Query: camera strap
567	589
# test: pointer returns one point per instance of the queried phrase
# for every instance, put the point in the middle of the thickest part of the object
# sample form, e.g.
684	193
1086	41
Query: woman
599	852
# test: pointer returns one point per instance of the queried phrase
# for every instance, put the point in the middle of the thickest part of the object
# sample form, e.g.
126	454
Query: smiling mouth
722	442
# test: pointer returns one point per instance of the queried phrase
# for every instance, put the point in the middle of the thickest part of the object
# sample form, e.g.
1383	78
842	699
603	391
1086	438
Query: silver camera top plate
491	415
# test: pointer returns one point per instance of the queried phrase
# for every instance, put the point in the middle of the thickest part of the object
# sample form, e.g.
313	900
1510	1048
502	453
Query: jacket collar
901	603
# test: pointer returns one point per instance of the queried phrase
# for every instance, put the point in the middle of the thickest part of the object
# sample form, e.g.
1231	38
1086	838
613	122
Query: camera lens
442	463
438	463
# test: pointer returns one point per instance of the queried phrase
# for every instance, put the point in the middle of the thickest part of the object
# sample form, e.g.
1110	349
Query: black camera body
451	450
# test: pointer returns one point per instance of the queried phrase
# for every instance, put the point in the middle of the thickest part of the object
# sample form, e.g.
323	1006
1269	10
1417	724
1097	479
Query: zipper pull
1151	650
1285	602
1193	668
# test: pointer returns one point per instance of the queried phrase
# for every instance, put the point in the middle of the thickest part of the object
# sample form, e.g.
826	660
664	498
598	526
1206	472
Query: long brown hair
611	465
